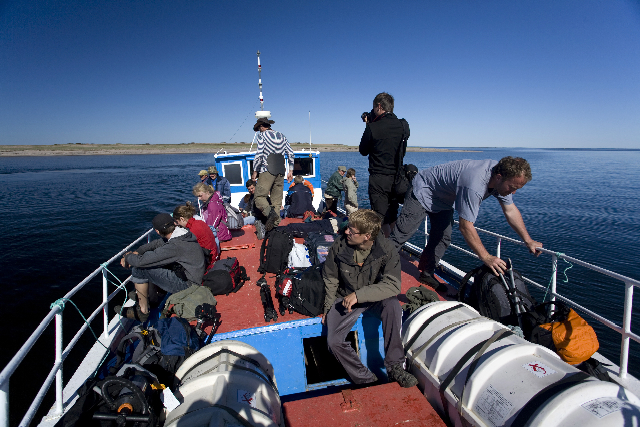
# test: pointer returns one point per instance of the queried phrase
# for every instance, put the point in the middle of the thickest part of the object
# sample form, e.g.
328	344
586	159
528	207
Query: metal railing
61	352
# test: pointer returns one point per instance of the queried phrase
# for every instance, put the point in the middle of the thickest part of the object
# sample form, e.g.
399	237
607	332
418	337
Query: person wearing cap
269	171
220	184
204	175
172	263
334	189
383	140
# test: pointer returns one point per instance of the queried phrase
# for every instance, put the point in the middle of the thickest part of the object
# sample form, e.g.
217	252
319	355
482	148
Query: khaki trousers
269	187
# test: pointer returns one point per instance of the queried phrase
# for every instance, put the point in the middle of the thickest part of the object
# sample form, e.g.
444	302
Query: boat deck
311	383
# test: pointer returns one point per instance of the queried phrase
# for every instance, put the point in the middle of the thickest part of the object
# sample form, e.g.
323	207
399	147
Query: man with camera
384	142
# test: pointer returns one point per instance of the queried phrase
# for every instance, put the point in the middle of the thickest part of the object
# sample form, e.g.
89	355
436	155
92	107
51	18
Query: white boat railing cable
60	352
624	330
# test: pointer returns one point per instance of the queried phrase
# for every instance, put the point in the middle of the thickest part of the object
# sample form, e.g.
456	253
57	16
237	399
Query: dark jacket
377	279
183	250
381	141
334	186
222	185
300	200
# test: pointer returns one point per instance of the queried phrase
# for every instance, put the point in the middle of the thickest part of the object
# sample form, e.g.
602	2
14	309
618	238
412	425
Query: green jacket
334	187
377	279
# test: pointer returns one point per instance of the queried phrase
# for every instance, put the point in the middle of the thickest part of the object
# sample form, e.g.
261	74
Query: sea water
64	216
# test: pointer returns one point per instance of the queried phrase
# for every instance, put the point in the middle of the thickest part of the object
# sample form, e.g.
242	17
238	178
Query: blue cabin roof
238	167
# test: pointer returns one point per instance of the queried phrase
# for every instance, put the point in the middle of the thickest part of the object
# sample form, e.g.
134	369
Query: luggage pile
551	324
298	269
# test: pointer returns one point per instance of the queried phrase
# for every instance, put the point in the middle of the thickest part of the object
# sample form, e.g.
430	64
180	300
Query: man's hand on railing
532	245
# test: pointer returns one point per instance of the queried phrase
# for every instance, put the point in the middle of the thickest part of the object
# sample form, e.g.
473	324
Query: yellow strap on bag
574	339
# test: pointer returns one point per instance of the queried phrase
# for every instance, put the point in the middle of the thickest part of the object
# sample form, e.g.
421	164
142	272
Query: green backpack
184	303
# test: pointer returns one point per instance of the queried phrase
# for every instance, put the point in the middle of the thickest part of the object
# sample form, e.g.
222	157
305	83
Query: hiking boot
133	296
430	280
131	313
271	220
398	374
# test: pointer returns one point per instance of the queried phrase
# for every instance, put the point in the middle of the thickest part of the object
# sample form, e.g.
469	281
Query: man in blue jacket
220	184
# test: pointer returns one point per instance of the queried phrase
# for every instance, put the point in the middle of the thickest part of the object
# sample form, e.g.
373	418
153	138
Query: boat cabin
238	167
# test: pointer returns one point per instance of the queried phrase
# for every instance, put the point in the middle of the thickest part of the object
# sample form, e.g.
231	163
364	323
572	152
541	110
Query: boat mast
261	113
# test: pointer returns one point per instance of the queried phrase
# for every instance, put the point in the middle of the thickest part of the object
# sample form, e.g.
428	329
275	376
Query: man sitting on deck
172	263
363	253
463	185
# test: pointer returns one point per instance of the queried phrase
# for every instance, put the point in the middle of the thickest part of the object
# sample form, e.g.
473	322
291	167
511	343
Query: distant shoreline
124	149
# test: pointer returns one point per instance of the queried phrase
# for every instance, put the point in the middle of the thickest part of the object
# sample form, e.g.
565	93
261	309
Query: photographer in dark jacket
382	142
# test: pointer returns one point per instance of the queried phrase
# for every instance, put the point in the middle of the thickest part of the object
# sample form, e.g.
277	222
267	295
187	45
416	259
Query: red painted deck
382	405
244	310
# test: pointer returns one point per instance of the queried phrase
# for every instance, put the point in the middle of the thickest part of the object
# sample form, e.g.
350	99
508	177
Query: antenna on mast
261	113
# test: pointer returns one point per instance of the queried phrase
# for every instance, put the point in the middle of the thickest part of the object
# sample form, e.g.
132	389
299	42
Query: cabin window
303	166
233	172
321	366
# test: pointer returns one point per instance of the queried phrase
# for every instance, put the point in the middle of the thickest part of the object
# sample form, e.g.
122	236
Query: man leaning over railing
462	185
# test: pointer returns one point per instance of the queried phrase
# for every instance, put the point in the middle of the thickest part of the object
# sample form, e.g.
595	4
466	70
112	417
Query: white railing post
426	238
626	329
59	347
4	405
105	296
498	248
554	276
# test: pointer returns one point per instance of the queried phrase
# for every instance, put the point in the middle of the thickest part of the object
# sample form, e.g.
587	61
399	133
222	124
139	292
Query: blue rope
566	278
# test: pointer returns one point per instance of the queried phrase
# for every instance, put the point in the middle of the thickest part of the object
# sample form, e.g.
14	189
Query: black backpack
274	253
226	276
160	349
491	298
301	290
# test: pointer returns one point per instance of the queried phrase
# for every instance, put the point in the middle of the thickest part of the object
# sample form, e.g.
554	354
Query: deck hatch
320	365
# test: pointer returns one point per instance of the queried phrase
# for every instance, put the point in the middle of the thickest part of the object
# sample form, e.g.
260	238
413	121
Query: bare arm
514	218
470	235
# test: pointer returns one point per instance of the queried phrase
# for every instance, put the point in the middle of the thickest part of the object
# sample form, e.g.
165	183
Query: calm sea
64	216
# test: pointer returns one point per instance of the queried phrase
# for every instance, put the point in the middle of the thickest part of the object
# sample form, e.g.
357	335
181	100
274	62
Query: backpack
558	327
275	249
235	220
132	388
160	349
301	290
491	298
319	244
183	304
226	276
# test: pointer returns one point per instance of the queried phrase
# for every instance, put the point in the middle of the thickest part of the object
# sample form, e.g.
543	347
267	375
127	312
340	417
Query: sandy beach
120	149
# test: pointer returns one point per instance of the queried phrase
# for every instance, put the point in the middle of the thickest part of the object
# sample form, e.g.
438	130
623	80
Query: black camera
368	117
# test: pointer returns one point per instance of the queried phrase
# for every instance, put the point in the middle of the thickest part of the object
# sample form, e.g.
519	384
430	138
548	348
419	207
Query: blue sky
463	73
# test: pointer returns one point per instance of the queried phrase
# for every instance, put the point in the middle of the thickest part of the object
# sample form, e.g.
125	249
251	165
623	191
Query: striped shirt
270	142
